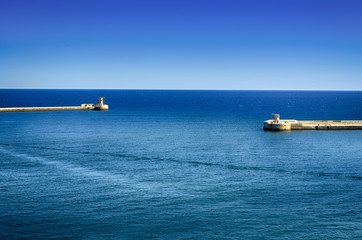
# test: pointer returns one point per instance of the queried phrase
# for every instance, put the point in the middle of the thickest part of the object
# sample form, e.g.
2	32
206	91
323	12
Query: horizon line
182	89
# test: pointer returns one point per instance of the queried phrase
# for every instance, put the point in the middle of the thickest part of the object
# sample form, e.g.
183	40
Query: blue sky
198	44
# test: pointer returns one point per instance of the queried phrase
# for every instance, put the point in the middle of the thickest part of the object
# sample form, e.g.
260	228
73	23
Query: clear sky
181	44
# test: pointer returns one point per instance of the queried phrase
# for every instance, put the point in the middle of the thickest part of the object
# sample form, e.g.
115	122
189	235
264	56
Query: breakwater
83	107
277	124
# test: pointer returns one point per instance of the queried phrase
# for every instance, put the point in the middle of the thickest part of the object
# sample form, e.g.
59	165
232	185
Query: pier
83	107
276	124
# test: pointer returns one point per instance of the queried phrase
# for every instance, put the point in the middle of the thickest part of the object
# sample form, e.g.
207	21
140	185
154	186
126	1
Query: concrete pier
287	125
83	107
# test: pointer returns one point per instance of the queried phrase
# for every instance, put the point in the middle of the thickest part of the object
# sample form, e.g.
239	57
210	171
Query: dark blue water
179	165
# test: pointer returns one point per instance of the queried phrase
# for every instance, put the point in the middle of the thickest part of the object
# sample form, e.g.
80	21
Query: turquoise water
179	165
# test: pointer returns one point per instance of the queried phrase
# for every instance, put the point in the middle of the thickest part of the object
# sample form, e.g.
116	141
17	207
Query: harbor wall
36	109
288	125
83	107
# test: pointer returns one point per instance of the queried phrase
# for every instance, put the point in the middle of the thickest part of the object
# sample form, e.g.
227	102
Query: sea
179	164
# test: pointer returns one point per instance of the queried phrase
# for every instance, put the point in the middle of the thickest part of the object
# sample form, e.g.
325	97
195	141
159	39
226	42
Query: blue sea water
179	165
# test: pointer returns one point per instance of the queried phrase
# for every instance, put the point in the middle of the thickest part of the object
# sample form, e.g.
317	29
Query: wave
192	162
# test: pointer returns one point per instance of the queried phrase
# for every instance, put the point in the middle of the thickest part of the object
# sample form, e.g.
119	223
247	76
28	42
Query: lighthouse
101	105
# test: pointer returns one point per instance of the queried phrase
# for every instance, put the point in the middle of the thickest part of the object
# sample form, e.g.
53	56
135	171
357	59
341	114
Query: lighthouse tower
101	105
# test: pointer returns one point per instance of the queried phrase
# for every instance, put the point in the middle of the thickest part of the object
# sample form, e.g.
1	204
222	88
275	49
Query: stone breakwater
86	106
277	124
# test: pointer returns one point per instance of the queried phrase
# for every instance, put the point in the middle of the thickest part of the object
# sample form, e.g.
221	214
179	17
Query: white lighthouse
101	105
